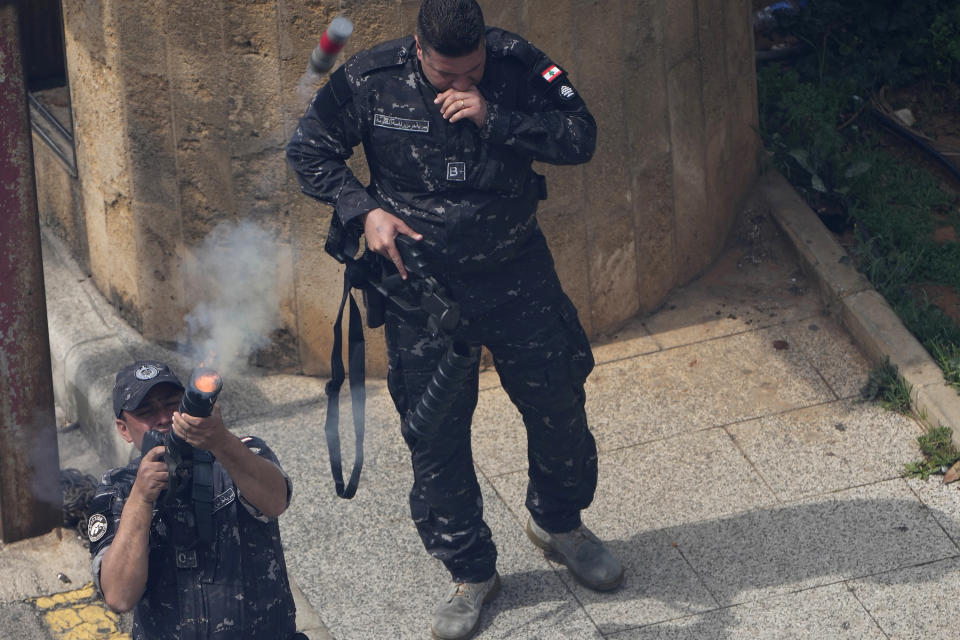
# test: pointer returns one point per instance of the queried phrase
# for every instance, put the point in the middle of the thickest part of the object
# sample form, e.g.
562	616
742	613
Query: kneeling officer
148	554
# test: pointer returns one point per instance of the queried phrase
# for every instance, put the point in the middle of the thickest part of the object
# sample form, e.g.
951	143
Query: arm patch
564	95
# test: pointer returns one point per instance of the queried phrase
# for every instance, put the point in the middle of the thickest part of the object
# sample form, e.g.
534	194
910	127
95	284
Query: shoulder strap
355	354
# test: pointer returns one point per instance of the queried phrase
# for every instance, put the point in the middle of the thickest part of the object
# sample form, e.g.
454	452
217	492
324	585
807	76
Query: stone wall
182	108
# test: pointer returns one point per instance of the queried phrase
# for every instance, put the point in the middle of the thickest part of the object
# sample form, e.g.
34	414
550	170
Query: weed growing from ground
886	386
947	356
939	454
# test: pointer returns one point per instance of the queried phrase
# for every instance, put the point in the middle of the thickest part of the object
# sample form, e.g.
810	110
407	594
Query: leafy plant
886	386
939	453
947	355
945	42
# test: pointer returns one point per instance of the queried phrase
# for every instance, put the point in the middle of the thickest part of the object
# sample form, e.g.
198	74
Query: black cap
135	380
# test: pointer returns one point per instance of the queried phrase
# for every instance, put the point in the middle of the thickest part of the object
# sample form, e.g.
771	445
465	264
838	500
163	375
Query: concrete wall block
741	64
680	31
149	128
85	25
259	182
199	73
647	127
252	52
505	14
120	230
610	241
653	216
206	188
60	202
689	175
375	21
613	279
140	36
549	26
718	164
286	286
564	222
100	143
712	35
160	284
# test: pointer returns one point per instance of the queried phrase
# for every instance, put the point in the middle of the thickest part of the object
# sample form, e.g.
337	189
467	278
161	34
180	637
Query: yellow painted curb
79	615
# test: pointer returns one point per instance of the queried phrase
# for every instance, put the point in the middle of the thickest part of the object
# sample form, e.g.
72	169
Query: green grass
815	120
939	454
886	386
947	356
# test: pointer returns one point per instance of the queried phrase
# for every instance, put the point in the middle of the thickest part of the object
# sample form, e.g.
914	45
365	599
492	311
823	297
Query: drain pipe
30	498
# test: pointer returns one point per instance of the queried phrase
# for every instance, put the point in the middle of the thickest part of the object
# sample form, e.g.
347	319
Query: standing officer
450	121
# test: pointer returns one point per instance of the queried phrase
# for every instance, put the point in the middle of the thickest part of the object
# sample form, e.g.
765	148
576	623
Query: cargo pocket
547	376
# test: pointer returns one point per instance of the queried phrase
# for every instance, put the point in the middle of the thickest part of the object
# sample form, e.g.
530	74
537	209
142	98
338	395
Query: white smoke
232	279
307	86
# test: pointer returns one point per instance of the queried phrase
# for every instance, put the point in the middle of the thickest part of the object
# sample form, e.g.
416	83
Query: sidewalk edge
871	322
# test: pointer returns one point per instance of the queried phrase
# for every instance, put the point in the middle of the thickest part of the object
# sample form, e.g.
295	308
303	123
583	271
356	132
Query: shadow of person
702	579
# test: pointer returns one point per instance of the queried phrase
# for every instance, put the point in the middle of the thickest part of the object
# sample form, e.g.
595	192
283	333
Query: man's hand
380	229
457	105
152	476
203	433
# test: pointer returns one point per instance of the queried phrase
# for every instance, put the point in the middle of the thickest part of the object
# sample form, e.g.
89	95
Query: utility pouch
376	305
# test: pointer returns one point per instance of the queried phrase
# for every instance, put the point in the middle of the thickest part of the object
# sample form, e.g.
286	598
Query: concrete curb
88	338
864	312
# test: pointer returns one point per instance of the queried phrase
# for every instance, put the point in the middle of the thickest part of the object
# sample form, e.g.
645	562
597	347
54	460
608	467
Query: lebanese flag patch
551	72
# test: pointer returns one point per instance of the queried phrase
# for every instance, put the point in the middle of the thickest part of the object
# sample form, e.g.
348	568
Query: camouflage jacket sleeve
260	448
552	123
103	515
322	143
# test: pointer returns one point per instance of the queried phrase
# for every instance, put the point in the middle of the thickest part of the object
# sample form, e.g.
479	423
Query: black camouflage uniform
473	195
236	588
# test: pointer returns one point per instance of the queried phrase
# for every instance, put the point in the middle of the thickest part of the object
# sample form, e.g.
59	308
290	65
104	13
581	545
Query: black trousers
543	358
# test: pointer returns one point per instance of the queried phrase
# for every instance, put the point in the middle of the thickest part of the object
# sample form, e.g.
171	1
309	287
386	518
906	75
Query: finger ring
461	104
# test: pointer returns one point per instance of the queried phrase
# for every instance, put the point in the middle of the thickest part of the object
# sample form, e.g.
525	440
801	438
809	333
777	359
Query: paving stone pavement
747	488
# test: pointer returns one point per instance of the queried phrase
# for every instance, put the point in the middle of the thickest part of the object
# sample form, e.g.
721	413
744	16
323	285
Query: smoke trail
307	86
233	277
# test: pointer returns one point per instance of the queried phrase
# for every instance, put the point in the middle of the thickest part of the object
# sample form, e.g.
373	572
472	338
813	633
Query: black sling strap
355	358
202	493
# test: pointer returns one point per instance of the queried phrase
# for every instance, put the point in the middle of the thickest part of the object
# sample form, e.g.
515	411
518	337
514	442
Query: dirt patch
945	234
942	296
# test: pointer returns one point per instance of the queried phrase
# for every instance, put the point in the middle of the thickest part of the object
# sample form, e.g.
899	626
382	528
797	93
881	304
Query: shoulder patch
551	73
96	527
